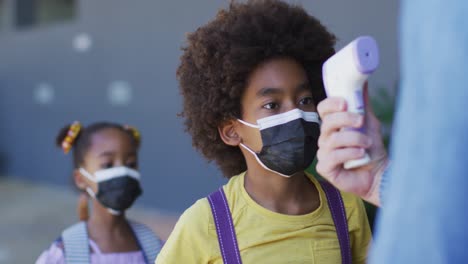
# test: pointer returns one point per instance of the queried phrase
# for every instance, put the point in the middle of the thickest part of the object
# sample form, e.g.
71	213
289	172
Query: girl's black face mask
289	141
118	187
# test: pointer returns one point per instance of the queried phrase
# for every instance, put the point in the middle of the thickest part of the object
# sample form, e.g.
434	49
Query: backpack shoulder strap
338	212
149	243
76	244
224	227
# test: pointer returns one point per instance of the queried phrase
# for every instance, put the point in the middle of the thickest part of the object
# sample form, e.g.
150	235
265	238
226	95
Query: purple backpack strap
227	236
337	209
224	227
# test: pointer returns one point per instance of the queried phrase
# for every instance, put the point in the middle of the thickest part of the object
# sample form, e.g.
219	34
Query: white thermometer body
344	75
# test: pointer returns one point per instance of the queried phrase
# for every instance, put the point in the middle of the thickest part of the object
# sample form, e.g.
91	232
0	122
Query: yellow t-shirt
265	236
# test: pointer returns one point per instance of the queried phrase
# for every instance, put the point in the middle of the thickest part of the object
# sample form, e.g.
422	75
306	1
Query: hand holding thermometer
344	75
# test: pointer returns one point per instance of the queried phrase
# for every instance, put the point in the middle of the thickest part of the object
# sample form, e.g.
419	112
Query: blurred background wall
115	60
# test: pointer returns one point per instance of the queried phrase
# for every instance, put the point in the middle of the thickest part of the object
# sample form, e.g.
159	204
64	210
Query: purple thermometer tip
366	54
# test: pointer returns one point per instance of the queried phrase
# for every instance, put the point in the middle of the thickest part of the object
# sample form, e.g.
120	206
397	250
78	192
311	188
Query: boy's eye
271	106
306	101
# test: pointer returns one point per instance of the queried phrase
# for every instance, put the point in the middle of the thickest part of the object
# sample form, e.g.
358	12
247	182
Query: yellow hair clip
72	134
136	134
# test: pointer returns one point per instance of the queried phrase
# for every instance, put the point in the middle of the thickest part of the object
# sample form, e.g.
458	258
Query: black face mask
118	187
289	141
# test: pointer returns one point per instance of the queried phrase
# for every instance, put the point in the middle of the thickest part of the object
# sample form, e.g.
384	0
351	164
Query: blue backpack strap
224	227
338	212
76	244
149	243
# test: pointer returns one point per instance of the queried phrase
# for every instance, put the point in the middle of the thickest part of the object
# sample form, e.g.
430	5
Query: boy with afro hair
251	81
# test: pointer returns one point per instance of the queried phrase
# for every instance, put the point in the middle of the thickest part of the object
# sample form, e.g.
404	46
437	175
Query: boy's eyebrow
303	87
266	91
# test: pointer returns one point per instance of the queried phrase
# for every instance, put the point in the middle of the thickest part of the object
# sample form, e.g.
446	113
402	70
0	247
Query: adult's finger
331	105
348	139
336	121
329	161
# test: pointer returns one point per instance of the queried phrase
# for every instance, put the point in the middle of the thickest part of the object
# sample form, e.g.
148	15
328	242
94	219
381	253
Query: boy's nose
289	105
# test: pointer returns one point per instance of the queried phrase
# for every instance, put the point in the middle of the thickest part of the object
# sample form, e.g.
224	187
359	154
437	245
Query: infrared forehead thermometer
344	75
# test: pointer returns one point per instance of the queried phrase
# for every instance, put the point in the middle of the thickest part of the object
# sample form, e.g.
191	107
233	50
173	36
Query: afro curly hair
220	56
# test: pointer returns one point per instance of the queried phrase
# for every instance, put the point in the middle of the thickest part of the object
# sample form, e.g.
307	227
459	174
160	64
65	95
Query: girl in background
105	157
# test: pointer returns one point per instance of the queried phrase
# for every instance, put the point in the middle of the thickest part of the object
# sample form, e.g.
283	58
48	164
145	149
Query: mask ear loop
248	124
87	174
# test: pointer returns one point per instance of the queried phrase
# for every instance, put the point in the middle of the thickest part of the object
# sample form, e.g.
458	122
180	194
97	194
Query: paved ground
32	216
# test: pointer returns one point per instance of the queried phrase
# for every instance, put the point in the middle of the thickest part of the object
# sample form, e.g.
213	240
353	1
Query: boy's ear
228	133
79	181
